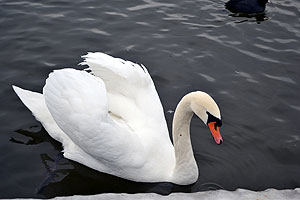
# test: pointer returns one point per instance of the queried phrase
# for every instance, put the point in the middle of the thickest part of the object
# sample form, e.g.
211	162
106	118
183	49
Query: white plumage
112	121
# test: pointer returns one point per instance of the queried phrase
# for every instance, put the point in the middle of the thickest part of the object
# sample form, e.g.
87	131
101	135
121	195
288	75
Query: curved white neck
186	170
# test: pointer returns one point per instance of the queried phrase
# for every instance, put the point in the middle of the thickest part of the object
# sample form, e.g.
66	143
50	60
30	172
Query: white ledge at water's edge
240	194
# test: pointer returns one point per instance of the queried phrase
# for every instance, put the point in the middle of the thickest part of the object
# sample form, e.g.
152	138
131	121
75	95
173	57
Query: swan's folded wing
78	103
126	79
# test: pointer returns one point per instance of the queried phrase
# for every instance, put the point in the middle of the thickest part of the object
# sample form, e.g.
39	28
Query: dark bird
246	6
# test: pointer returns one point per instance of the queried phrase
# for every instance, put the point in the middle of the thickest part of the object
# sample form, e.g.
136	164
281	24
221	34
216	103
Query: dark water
250	65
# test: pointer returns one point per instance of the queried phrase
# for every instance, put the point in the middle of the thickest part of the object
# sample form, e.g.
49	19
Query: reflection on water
57	167
248	63
211	186
33	137
258	17
56	170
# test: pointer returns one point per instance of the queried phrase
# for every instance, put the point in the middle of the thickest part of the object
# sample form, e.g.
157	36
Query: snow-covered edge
240	194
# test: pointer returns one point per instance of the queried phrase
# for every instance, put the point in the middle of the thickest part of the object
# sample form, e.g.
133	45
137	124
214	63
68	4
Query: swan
112	120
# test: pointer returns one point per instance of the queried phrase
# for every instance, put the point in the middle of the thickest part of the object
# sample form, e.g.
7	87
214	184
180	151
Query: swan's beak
214	129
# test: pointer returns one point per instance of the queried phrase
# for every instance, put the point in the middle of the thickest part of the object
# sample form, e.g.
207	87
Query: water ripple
178	16
247	76
280	78
57	15
207	77
257	56
150	4
98	31
28	4
116	14
296	108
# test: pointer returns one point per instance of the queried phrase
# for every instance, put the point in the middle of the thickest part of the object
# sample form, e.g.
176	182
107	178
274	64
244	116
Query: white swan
113	121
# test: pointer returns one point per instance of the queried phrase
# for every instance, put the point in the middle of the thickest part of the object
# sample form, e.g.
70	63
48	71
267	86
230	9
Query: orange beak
215	132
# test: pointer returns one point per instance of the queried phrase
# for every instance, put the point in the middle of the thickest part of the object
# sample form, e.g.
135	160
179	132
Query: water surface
250	65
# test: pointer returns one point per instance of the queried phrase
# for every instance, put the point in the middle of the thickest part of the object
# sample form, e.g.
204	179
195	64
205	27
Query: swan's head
208	111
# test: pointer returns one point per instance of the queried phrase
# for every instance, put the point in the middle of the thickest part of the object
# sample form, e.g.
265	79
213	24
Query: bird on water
113	120
246	6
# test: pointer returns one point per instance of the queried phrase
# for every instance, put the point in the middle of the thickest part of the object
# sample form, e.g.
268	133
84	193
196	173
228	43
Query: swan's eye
212	118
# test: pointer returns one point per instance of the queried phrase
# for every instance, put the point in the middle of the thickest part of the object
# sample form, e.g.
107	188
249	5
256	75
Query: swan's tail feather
32	100
35	102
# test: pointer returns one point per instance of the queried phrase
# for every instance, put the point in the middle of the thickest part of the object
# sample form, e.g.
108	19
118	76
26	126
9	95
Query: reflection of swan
114	122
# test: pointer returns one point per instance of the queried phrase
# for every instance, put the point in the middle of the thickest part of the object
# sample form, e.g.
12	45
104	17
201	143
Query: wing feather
128	82
78	103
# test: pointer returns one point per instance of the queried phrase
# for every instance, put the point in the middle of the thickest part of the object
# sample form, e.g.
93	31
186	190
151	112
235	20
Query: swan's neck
186	170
